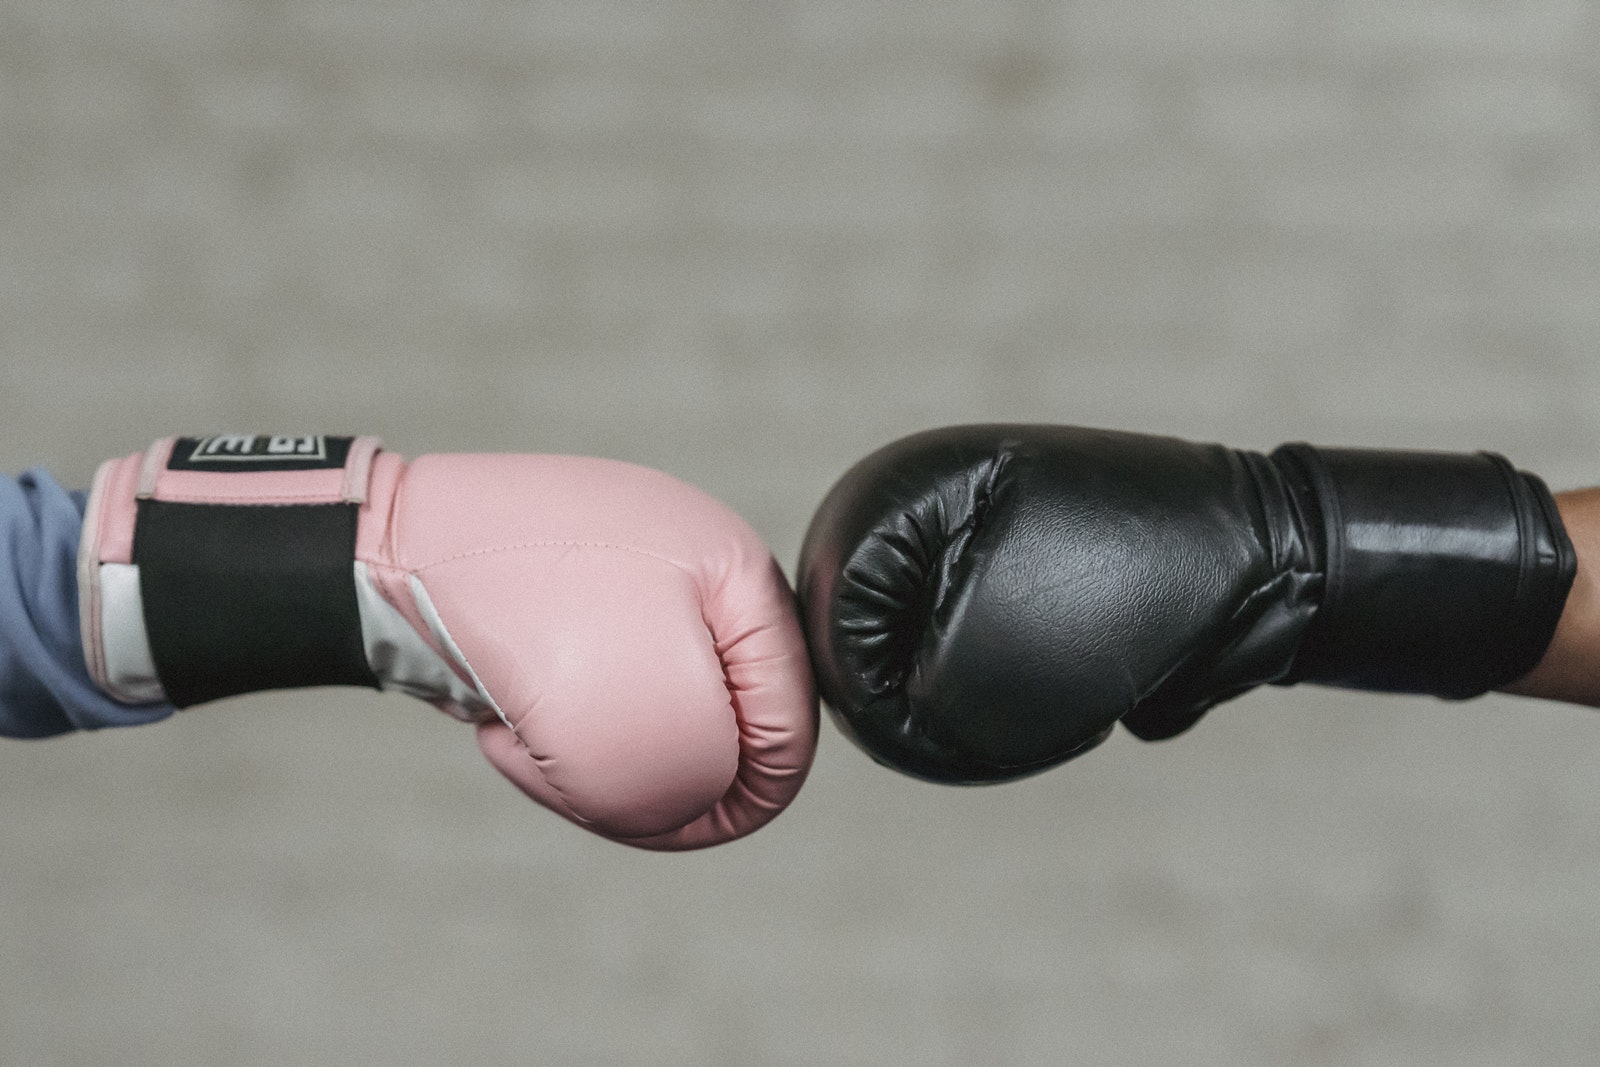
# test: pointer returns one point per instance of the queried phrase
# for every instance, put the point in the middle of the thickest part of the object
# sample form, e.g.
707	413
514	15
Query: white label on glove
244	447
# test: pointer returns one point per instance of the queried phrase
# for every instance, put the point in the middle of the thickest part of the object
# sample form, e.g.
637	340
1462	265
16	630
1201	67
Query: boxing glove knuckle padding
625	645
984	602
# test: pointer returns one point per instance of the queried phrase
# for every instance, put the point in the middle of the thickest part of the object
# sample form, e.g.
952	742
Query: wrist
1569	670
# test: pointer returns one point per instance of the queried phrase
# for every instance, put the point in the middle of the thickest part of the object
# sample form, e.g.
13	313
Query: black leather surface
984	602
242	598
1446	573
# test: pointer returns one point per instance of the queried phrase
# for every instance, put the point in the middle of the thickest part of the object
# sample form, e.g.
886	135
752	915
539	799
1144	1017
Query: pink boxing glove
626	645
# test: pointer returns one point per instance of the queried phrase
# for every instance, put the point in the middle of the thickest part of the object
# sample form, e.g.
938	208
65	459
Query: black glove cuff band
1445	573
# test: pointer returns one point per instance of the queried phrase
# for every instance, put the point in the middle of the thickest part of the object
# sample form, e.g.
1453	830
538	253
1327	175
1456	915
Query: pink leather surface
636	635
89	575
117	508
251	487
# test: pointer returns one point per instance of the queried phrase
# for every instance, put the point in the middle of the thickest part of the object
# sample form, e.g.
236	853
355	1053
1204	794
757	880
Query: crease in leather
929	566
1262	636
1271	618
932	556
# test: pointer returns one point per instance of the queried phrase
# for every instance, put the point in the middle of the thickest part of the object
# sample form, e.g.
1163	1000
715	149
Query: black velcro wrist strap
244	598
245	547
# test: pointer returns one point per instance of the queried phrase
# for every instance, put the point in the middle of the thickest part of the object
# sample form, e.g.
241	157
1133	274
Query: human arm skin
1570	668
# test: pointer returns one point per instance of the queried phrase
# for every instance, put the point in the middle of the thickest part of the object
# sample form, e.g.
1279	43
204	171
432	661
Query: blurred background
747	243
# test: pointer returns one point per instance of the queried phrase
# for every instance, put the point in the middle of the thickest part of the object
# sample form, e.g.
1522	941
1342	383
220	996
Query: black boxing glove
984	602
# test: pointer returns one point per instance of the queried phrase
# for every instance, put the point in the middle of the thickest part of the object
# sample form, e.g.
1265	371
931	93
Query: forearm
45	686
1570	668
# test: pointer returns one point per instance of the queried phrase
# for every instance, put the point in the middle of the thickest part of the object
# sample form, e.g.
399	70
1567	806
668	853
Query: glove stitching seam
419	568
273	500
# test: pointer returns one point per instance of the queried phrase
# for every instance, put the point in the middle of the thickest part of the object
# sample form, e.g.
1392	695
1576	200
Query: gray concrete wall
747	243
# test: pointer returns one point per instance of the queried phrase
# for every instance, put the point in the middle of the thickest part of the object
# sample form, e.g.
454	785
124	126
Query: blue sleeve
45	687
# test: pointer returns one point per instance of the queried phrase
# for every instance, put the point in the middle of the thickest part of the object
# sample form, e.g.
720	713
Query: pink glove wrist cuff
233	471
